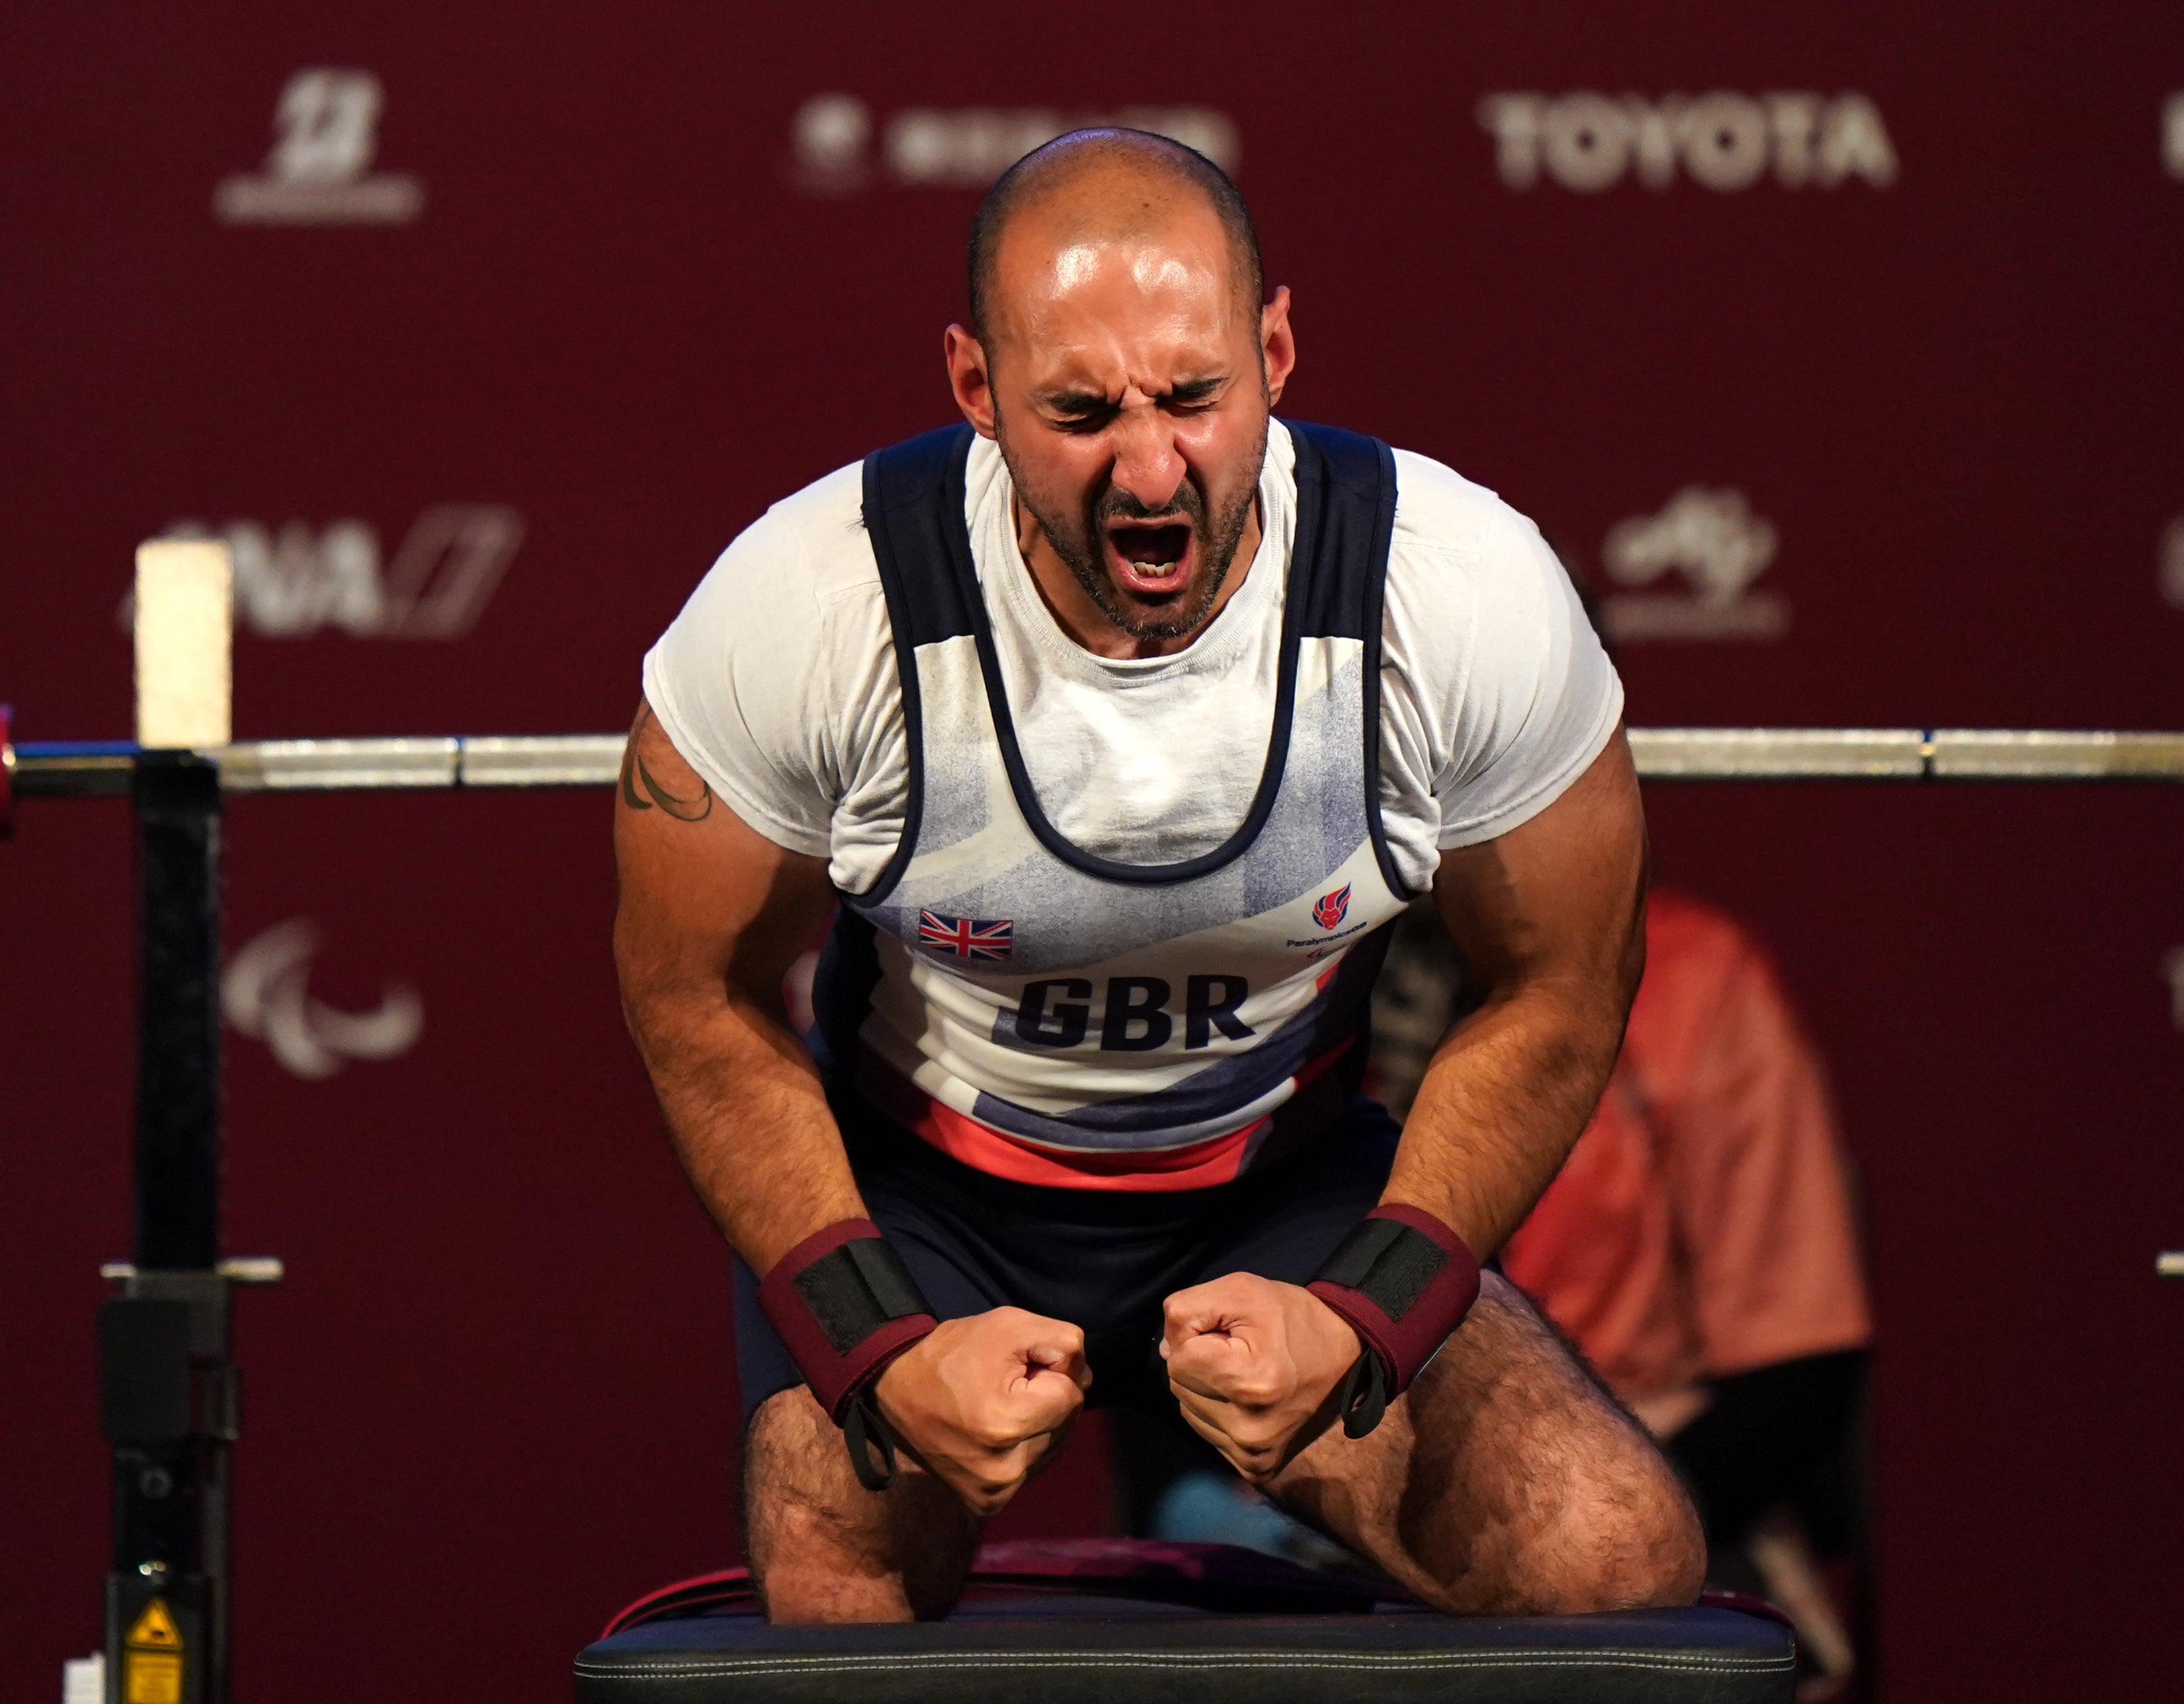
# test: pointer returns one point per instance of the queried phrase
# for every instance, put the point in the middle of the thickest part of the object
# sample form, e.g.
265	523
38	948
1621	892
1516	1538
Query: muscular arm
1549	921
712	914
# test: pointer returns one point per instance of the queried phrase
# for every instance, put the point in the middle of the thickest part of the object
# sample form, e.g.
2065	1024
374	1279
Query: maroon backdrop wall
1838	340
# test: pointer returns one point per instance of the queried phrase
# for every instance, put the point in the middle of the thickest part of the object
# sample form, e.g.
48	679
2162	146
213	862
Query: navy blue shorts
1104	1259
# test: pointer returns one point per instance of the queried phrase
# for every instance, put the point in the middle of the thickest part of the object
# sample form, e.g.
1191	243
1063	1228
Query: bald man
1114	727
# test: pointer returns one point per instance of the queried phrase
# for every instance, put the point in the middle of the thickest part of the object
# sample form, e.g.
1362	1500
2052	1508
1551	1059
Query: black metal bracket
168	1390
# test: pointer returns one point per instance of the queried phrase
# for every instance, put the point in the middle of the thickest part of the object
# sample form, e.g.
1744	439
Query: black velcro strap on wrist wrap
1387	1263
1363	1398
1404	1281
870	1440
844	1307
856	1289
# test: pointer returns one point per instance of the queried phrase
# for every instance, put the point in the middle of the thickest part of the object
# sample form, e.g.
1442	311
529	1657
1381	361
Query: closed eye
1194	394
1087	411
1079	411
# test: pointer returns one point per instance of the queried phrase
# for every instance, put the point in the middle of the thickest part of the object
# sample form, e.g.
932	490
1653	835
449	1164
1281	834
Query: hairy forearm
1505	1095
747	1118
709	916
1548	921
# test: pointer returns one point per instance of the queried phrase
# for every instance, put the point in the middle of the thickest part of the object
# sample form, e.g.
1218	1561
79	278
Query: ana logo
296	582
965	149
1724	141
1719	546
266	992
1330	909
326	132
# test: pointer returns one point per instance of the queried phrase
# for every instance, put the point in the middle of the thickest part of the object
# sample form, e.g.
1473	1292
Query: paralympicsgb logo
1329	910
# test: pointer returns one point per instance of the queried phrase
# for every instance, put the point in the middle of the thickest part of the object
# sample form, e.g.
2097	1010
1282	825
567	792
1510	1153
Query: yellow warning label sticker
150	1677
155	1629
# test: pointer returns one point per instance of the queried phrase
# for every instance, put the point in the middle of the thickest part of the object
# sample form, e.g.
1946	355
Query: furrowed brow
1086	404
1077	403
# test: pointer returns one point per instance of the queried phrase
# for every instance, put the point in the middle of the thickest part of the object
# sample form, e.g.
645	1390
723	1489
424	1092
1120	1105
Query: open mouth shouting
1155	574
1151	559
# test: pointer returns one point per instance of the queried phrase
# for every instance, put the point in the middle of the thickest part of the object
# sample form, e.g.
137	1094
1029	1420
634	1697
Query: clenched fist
980	1400
1255	1365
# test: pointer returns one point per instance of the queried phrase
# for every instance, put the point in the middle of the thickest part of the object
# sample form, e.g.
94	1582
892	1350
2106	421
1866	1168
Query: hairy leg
1505	1480
824	1549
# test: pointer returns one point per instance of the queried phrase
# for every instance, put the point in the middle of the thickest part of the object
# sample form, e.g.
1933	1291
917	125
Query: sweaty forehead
1166	237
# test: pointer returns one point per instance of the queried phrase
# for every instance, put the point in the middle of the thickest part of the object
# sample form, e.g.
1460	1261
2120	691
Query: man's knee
824	1548
1624	1535
1599	1536
1557	1502
1637	1539
800	1532
785	1480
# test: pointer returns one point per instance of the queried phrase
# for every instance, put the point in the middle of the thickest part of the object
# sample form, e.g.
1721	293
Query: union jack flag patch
967	937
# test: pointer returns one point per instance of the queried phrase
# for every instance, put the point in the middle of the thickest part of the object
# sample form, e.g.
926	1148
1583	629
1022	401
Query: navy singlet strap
907	505
1354	481
914	495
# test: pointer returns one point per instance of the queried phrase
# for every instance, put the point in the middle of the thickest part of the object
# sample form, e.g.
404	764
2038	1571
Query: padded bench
1122	1621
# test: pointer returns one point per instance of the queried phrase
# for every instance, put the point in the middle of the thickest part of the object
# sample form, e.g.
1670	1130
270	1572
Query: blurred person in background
1699	1246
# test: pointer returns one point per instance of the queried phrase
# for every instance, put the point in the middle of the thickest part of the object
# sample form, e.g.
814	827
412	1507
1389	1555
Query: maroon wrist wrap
845	1306
1404	1281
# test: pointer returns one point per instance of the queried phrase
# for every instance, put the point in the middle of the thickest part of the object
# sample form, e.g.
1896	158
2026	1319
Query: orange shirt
1702	1225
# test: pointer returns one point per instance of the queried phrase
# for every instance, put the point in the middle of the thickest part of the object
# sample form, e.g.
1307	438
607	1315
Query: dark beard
1079	547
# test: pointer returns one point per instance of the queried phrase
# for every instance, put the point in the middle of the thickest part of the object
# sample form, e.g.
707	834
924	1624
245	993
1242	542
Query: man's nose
1147	464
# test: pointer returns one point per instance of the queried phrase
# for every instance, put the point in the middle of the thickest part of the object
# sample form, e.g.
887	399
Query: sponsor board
300	579
1714	541
1589	142
265	994
838	147
326	130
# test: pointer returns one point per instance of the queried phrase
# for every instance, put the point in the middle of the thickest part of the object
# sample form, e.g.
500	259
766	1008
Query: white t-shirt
778	681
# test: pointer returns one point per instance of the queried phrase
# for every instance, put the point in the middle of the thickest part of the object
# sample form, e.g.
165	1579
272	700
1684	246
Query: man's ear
969	379
1277	344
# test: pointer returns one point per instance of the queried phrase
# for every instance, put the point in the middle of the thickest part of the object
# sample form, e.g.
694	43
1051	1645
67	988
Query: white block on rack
184	621
83	1681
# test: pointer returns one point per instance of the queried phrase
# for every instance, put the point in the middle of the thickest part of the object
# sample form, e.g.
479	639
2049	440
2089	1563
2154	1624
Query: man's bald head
1109	182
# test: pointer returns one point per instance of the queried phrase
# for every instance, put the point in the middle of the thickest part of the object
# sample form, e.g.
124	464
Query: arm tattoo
634	775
